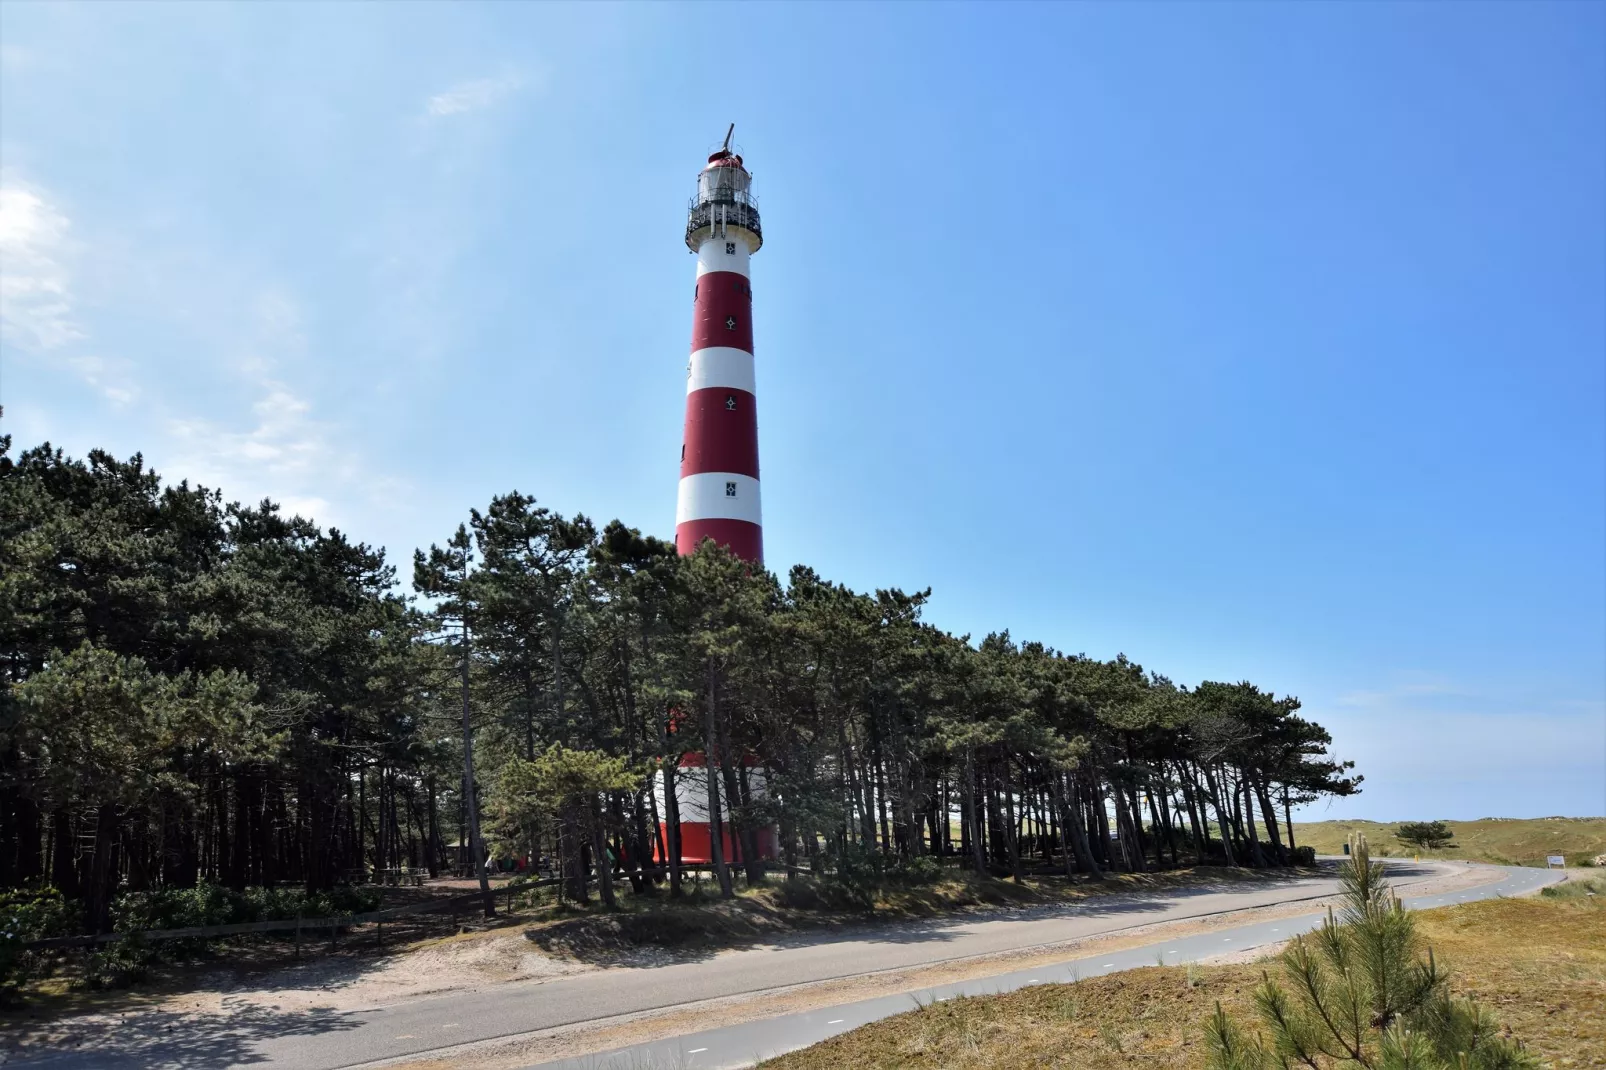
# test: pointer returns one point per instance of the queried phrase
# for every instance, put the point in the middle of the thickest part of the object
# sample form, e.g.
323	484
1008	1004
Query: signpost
1555	861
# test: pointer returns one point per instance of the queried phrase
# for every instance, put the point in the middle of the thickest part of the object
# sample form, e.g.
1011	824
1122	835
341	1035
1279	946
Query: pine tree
1363	992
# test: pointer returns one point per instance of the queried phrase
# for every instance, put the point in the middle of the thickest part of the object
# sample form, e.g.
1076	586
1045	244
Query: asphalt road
750	1042
326	1040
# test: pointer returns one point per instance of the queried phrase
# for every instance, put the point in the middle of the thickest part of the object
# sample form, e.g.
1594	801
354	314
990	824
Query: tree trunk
599	856
1011	836
978	860
1221	815
672	825
1249	823
1270	814
470	799
716	824
101	884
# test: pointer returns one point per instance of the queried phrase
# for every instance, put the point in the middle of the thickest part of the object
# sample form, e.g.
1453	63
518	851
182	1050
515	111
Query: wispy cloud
283	450
1433	747
1407	686
472	96
36	307
112	376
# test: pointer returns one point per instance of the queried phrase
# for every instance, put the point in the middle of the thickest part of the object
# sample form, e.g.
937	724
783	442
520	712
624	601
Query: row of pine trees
204	691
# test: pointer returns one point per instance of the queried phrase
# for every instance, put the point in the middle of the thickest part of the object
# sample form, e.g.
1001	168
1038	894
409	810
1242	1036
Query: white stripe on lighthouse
717	496
711	256
721	366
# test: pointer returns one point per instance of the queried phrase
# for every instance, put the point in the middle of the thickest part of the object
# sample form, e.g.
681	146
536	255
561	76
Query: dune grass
1538	964
702	921
1507	841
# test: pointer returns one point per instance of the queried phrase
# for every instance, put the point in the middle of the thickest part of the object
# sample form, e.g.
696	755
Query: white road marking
694	1051
1107	965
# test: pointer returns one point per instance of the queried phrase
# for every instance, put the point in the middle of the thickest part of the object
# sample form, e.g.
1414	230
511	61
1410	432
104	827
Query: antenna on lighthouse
727	146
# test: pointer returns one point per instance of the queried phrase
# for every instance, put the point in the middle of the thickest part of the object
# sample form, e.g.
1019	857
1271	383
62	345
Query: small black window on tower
683	452
730	402
730	248
730	490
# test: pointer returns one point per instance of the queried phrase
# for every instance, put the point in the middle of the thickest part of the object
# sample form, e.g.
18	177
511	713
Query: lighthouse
718	496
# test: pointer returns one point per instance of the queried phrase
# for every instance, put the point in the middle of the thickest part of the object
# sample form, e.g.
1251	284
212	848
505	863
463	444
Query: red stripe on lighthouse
721	432
723	312
745	539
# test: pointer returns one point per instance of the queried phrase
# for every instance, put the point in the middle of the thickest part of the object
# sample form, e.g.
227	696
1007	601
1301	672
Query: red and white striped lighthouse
719	497
719	453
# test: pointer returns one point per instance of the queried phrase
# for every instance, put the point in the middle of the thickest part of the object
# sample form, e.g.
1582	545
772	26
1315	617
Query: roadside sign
1556	860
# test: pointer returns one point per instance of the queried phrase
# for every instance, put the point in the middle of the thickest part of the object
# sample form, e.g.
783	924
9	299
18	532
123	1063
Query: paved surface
748	1043
327	1040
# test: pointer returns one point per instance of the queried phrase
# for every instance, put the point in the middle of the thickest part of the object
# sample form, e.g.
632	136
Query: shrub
1304	855
1362	993
213	904
118	965
29	914
1425	835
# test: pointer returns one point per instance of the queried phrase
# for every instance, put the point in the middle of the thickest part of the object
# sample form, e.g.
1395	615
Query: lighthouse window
730	248
682	451
730	490
730	402
730	323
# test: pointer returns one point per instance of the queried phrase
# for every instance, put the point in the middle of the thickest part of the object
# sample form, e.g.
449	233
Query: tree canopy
1431	835
205	691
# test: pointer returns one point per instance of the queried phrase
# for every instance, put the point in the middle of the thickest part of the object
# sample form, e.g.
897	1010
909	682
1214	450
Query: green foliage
106	729
186	679
1362	992
859	877
212	904
1427	835
29	914
531	794
120	964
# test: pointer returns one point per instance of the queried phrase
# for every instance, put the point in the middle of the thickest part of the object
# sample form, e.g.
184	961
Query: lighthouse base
696	844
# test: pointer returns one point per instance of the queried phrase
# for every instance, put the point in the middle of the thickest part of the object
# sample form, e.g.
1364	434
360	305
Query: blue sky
1256	341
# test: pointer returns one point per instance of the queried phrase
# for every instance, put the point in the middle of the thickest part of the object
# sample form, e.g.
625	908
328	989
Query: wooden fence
455	904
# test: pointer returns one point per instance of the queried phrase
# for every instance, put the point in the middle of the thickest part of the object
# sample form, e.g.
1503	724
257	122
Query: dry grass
703	921
1538	964
1507	841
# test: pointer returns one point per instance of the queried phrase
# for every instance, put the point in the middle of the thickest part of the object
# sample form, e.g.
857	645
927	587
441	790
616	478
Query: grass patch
1576	889
1538	964
700	920
1505	841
